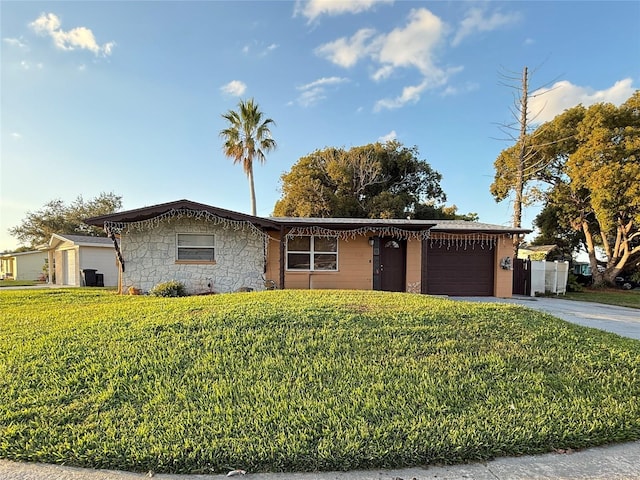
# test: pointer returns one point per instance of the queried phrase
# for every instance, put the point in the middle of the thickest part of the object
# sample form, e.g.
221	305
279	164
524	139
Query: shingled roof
450	226
145	213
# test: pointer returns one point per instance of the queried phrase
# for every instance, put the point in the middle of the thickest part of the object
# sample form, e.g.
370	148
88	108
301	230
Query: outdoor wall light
506	264
371	241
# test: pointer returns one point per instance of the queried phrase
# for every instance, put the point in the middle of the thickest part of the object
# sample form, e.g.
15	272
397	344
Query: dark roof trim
351	223
145	213
446	226
472	229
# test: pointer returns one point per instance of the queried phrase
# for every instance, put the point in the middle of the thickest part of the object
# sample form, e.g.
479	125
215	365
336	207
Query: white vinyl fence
549	277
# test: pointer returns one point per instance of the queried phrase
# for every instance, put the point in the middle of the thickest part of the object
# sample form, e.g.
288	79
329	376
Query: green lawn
19	283
609	296
301	381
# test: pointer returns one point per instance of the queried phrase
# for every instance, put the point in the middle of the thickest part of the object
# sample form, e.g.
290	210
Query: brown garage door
458	272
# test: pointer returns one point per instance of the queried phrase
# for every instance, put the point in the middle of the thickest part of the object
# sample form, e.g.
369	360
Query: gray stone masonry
150	258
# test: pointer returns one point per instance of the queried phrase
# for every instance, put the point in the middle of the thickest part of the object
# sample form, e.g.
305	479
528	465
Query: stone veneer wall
150	258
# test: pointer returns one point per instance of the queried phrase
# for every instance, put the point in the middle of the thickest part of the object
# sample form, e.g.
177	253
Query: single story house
75	260
210	249
22	265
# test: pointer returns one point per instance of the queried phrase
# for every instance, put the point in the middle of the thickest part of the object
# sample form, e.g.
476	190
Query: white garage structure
22	265
70	255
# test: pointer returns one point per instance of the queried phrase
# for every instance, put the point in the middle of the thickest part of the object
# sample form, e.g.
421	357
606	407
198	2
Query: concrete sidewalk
614	462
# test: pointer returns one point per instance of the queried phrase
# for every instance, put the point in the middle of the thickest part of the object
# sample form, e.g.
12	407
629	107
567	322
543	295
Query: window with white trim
195	247
312	253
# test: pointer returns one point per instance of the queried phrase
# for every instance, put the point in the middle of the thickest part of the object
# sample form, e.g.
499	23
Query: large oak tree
589	159
380	180
58	217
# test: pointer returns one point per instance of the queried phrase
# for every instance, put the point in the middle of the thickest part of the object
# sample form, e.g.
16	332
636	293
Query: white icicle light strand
440	239
352	234
149	223
464	241
117	228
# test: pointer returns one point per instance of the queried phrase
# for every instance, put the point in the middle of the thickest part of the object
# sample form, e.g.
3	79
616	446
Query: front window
195	247
312	253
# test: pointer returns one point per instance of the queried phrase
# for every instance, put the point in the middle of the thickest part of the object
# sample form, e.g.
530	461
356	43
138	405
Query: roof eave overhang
146	213
275	223
487	231
352	226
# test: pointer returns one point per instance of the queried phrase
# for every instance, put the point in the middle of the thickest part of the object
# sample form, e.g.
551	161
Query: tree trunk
519	187
610	275
252	191
596	275
620	255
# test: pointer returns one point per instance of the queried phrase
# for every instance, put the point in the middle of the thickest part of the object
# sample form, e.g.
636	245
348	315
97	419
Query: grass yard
609	296
301	381
19	283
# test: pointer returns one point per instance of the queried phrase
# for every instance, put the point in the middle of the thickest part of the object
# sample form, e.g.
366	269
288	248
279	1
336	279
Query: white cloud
28	66
346	52
313	9
392	135
311	96
15	42
382	73
410	94
412	46
235	88
77	38
16	135
476	21
313	92
323	82
546	103
451	90
46	23
107	48
260	50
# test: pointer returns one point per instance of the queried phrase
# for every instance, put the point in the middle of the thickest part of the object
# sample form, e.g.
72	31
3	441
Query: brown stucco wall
272	271
355	269
503	279
414	266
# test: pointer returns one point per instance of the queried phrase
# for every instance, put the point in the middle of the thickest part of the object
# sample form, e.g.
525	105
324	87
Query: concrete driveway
621	320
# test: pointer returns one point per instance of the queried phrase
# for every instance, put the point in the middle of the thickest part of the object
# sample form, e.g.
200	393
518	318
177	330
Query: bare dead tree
522	141
523	121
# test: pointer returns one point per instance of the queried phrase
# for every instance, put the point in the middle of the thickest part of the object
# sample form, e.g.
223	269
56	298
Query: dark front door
392	264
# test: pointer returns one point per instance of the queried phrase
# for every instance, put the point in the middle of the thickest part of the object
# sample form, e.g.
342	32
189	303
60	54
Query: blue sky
127	97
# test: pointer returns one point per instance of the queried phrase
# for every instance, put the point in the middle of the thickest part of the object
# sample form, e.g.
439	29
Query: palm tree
247	138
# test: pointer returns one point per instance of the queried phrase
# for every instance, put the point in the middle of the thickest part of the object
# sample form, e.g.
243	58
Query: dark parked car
585	280
625	283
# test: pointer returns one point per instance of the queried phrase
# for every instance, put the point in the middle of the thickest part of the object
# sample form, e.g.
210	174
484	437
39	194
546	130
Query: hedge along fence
301	380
